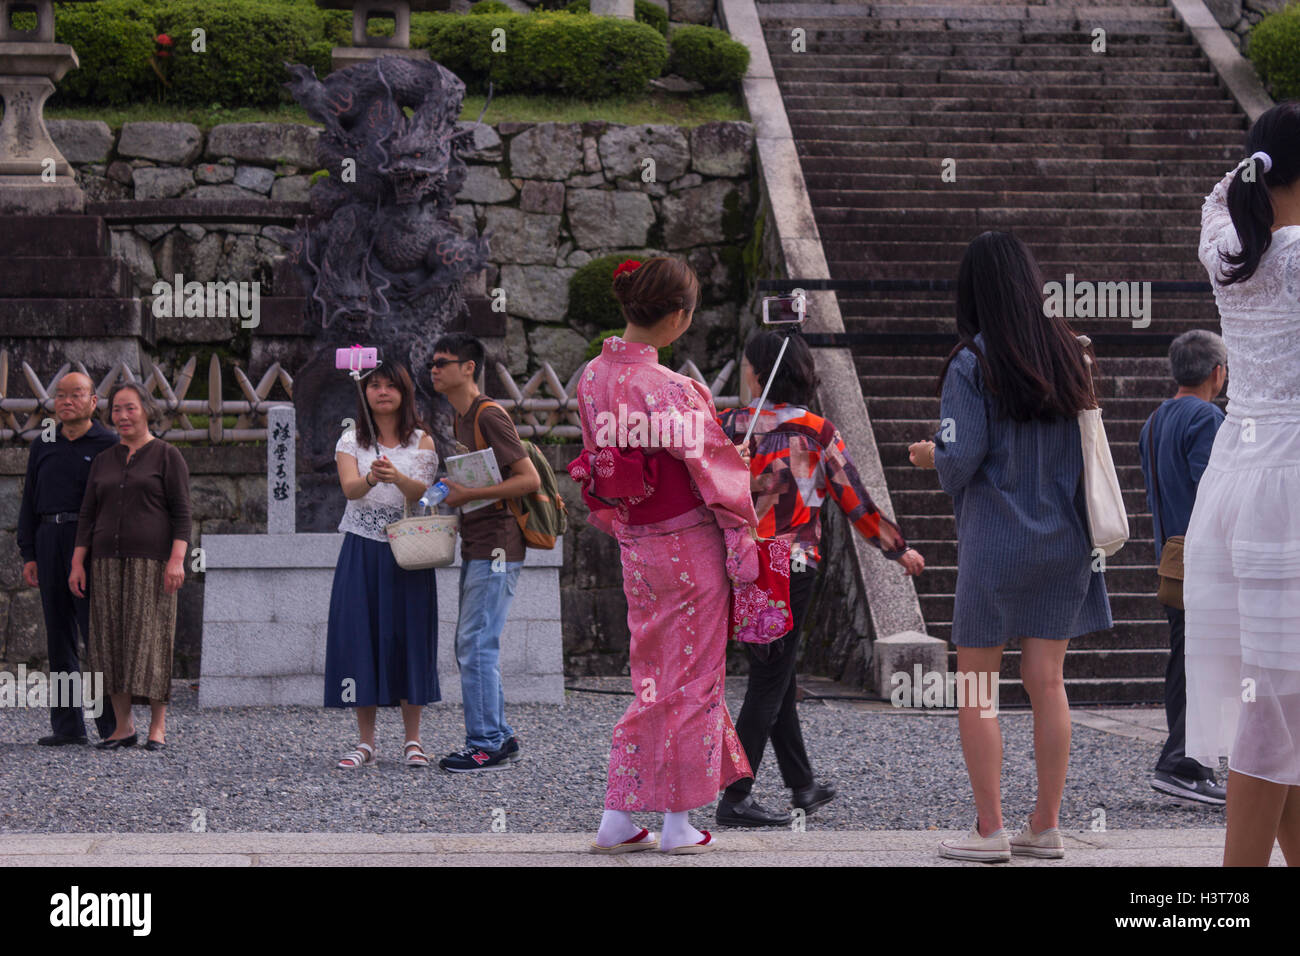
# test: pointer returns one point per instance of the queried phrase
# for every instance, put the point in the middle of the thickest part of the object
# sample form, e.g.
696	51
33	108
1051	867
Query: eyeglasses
443	363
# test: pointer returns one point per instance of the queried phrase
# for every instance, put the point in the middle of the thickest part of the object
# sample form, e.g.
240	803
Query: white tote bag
1107	519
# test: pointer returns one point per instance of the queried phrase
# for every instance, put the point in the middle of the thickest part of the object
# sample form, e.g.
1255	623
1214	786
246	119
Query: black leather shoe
155	745
811	797
747	813
61	740
117	744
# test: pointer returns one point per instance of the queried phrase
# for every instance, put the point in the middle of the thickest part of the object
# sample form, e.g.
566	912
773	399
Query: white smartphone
789	309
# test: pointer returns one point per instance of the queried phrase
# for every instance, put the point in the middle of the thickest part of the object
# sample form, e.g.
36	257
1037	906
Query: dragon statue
382	257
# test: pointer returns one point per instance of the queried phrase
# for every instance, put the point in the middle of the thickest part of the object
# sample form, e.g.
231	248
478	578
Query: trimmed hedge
574	54
708	56
1274	47
645	12
568	52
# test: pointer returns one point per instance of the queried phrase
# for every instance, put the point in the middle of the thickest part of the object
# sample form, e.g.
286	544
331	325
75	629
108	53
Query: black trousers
67	622
769	709
1172	758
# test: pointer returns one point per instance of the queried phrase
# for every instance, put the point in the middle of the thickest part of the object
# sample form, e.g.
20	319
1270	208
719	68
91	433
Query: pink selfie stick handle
356	358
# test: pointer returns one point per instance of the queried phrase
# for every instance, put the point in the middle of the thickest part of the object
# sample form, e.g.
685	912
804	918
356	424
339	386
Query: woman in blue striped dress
1008	451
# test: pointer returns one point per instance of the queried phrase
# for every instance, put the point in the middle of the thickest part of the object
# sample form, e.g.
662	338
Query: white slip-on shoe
1046	844
994	848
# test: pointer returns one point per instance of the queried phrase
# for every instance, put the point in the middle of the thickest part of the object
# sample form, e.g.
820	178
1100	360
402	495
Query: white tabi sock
678	831
615	827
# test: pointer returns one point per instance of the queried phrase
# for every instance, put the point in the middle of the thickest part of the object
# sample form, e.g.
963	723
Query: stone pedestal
35	178
266	607
613	8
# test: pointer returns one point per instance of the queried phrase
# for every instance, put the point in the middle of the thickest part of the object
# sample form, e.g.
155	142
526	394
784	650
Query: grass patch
656	107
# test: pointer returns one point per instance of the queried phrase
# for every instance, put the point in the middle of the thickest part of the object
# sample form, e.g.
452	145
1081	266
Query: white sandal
417	759
356	759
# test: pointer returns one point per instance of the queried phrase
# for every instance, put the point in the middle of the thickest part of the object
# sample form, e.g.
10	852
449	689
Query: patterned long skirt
675	747
132	627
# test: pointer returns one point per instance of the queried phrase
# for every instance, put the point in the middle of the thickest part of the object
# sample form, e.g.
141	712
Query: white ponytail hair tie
1261	157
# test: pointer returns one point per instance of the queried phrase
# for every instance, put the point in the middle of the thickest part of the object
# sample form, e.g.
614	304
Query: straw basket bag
427	541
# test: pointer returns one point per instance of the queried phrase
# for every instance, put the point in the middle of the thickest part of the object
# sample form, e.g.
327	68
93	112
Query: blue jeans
485	597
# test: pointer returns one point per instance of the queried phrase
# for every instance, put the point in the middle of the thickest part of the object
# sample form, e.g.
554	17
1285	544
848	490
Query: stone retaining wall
1237	17
553	195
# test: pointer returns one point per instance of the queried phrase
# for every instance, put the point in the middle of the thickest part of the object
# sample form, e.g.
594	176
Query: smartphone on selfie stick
779	310
353	360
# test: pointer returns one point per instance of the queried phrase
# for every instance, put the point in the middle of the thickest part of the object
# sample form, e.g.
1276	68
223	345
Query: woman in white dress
1242	552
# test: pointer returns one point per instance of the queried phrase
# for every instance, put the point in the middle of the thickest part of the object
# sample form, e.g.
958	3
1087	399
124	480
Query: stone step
1006	216
1098	691
1185	236
990	63
1151	272
1158	324
963	81
881	109
818	30
1117	366
68	277
1004	55
812	145
938	579
1024	140
910	502
53	236
1151	389
889	313
883	248
921	408
1186	93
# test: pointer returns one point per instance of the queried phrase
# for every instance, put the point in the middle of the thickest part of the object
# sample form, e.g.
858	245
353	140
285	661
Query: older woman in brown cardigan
135	525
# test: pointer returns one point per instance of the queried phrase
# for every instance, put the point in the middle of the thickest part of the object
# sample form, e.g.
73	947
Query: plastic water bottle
435	495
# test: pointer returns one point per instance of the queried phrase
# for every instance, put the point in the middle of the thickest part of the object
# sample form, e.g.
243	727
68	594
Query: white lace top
1260	316
381	505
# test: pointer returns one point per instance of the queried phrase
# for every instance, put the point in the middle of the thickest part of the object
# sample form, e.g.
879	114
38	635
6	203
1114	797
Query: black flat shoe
117	744
155	745
748	813
61	740
810	798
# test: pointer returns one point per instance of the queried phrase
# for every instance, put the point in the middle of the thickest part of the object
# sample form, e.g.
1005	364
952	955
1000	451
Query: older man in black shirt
47	533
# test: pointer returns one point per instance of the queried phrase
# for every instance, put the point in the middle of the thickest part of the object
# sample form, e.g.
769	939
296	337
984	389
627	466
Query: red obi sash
639	488
760	610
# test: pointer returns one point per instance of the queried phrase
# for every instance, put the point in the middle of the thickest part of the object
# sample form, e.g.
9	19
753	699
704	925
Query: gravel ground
272	769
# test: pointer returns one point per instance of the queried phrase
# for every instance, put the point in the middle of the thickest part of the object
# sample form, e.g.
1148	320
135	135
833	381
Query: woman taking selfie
381	646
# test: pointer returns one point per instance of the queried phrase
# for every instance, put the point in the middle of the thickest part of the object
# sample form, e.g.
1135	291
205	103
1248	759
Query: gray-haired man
1181	434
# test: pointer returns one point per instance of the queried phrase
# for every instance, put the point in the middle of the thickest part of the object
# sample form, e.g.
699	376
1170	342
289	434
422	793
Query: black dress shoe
61	740
155	745
811	797
117	744
747	813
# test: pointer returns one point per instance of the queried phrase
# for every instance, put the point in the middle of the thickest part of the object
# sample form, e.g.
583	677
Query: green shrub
707	56
587	56
577	55
248	43
114	40
1274	47
646	12
591	295
489	6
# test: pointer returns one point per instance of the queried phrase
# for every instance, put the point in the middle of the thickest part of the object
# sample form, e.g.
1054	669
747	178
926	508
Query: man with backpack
492	553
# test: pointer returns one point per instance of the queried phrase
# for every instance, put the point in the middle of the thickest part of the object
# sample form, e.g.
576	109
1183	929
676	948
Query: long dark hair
796	376
1034	366
1277	133
408	417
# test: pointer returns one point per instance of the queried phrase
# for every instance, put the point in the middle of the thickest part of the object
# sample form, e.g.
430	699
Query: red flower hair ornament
627	265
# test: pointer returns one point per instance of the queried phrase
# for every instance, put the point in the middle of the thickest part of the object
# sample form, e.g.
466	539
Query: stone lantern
366	47
35	178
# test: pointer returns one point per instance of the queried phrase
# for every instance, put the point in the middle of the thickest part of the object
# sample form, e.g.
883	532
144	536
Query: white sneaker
994	848
1046	844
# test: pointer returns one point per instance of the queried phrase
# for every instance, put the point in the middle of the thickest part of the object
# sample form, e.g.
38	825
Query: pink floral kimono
675	494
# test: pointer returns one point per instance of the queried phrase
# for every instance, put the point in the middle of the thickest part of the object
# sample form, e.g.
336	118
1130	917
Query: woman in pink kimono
659	475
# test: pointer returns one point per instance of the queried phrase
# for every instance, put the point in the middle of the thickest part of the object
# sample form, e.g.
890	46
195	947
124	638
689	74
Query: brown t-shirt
493	526
136	510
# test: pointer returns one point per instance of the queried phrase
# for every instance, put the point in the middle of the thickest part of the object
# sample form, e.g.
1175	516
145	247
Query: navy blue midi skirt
382	644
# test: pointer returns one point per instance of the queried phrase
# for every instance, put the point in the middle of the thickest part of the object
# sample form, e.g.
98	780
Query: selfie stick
355	359
771	376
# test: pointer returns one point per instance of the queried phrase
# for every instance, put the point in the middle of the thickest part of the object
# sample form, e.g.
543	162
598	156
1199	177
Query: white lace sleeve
426	463
347	443
1218	234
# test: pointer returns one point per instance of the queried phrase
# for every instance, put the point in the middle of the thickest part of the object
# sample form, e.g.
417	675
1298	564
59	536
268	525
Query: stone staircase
1098	161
